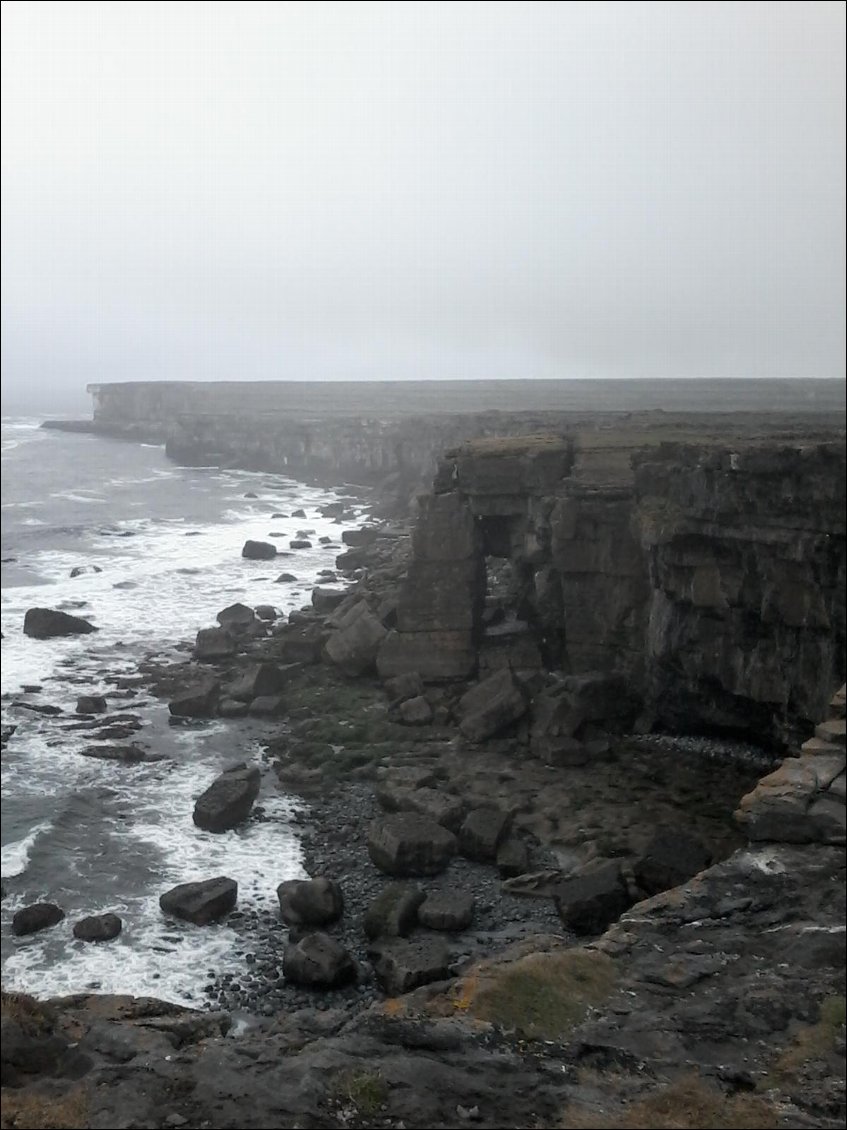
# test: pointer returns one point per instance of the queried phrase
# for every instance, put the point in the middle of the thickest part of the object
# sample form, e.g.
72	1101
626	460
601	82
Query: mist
225	191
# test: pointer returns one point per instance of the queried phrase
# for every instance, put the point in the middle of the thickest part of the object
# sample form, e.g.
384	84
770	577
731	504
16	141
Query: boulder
38	916
258	550
326	600
82	570
98	928
414	712
318	961
261	679
298	513
365	536
394	912
231	708
285	579
266	612
128	754
296	643
403	687
46	623
310	902
408	845
591	901
91	704
443	808
228	800
198	701
482	832
353	646
444	910
299	543
236	618
267	706
403	966
672	856
212	644
491	706
203	902
512	858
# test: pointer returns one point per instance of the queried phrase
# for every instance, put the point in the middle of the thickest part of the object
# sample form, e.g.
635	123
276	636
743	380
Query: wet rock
403	687
394	912
231	708
326	600
91	704
671	857
482	832
318	961
128	754
98	928
442	807
202	902
285	579
47	623
261	679
82	570
237	618
212	644
402	966
590	902
6	732
38	916
409	845
199	701
267	706
298	513
310	902
228	800
491	706
266	612
446	910
258	550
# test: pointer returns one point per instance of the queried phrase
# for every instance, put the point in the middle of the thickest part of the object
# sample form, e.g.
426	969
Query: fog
214	191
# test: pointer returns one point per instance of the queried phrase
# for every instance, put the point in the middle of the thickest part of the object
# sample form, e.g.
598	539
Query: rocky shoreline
603	968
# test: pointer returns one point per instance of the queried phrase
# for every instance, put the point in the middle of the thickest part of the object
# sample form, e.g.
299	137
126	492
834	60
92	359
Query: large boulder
394	911
482	832
402	966
203	902
414	712
353	646
444	910
310	902
258	550
228	800
38	916
45	623
319	962
261	679
212	644
444	808
326	599
408	845
672	856
237	618
590	902
197	701
91	704
491	706
98	928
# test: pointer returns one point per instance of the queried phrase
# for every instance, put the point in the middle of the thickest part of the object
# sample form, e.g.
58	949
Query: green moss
365	1090
543	996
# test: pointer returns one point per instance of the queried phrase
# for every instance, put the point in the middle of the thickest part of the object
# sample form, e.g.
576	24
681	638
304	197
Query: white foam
15	856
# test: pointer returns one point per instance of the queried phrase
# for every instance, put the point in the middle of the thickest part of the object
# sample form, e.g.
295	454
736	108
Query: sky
211	191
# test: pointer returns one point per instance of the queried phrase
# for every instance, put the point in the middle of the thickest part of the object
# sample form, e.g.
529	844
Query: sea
99	836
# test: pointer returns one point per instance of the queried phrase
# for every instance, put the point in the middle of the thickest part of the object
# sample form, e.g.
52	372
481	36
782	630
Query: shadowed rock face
711	577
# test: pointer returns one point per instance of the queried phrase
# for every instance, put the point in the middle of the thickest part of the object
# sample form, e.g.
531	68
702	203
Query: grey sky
393	190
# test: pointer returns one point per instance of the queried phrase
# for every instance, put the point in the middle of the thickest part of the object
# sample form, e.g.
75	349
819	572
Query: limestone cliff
711	576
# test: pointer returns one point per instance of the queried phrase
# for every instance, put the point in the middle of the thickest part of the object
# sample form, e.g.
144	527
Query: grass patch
23	1110
687	1104
531	444
814	1041
541	996
33	1017
365	1090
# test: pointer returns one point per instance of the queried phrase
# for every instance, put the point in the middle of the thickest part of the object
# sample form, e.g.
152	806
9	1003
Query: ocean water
97	836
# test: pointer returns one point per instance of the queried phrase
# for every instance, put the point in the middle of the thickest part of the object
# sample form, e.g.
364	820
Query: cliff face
712	577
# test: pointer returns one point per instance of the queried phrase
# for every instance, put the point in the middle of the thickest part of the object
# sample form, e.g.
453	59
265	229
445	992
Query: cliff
709	576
